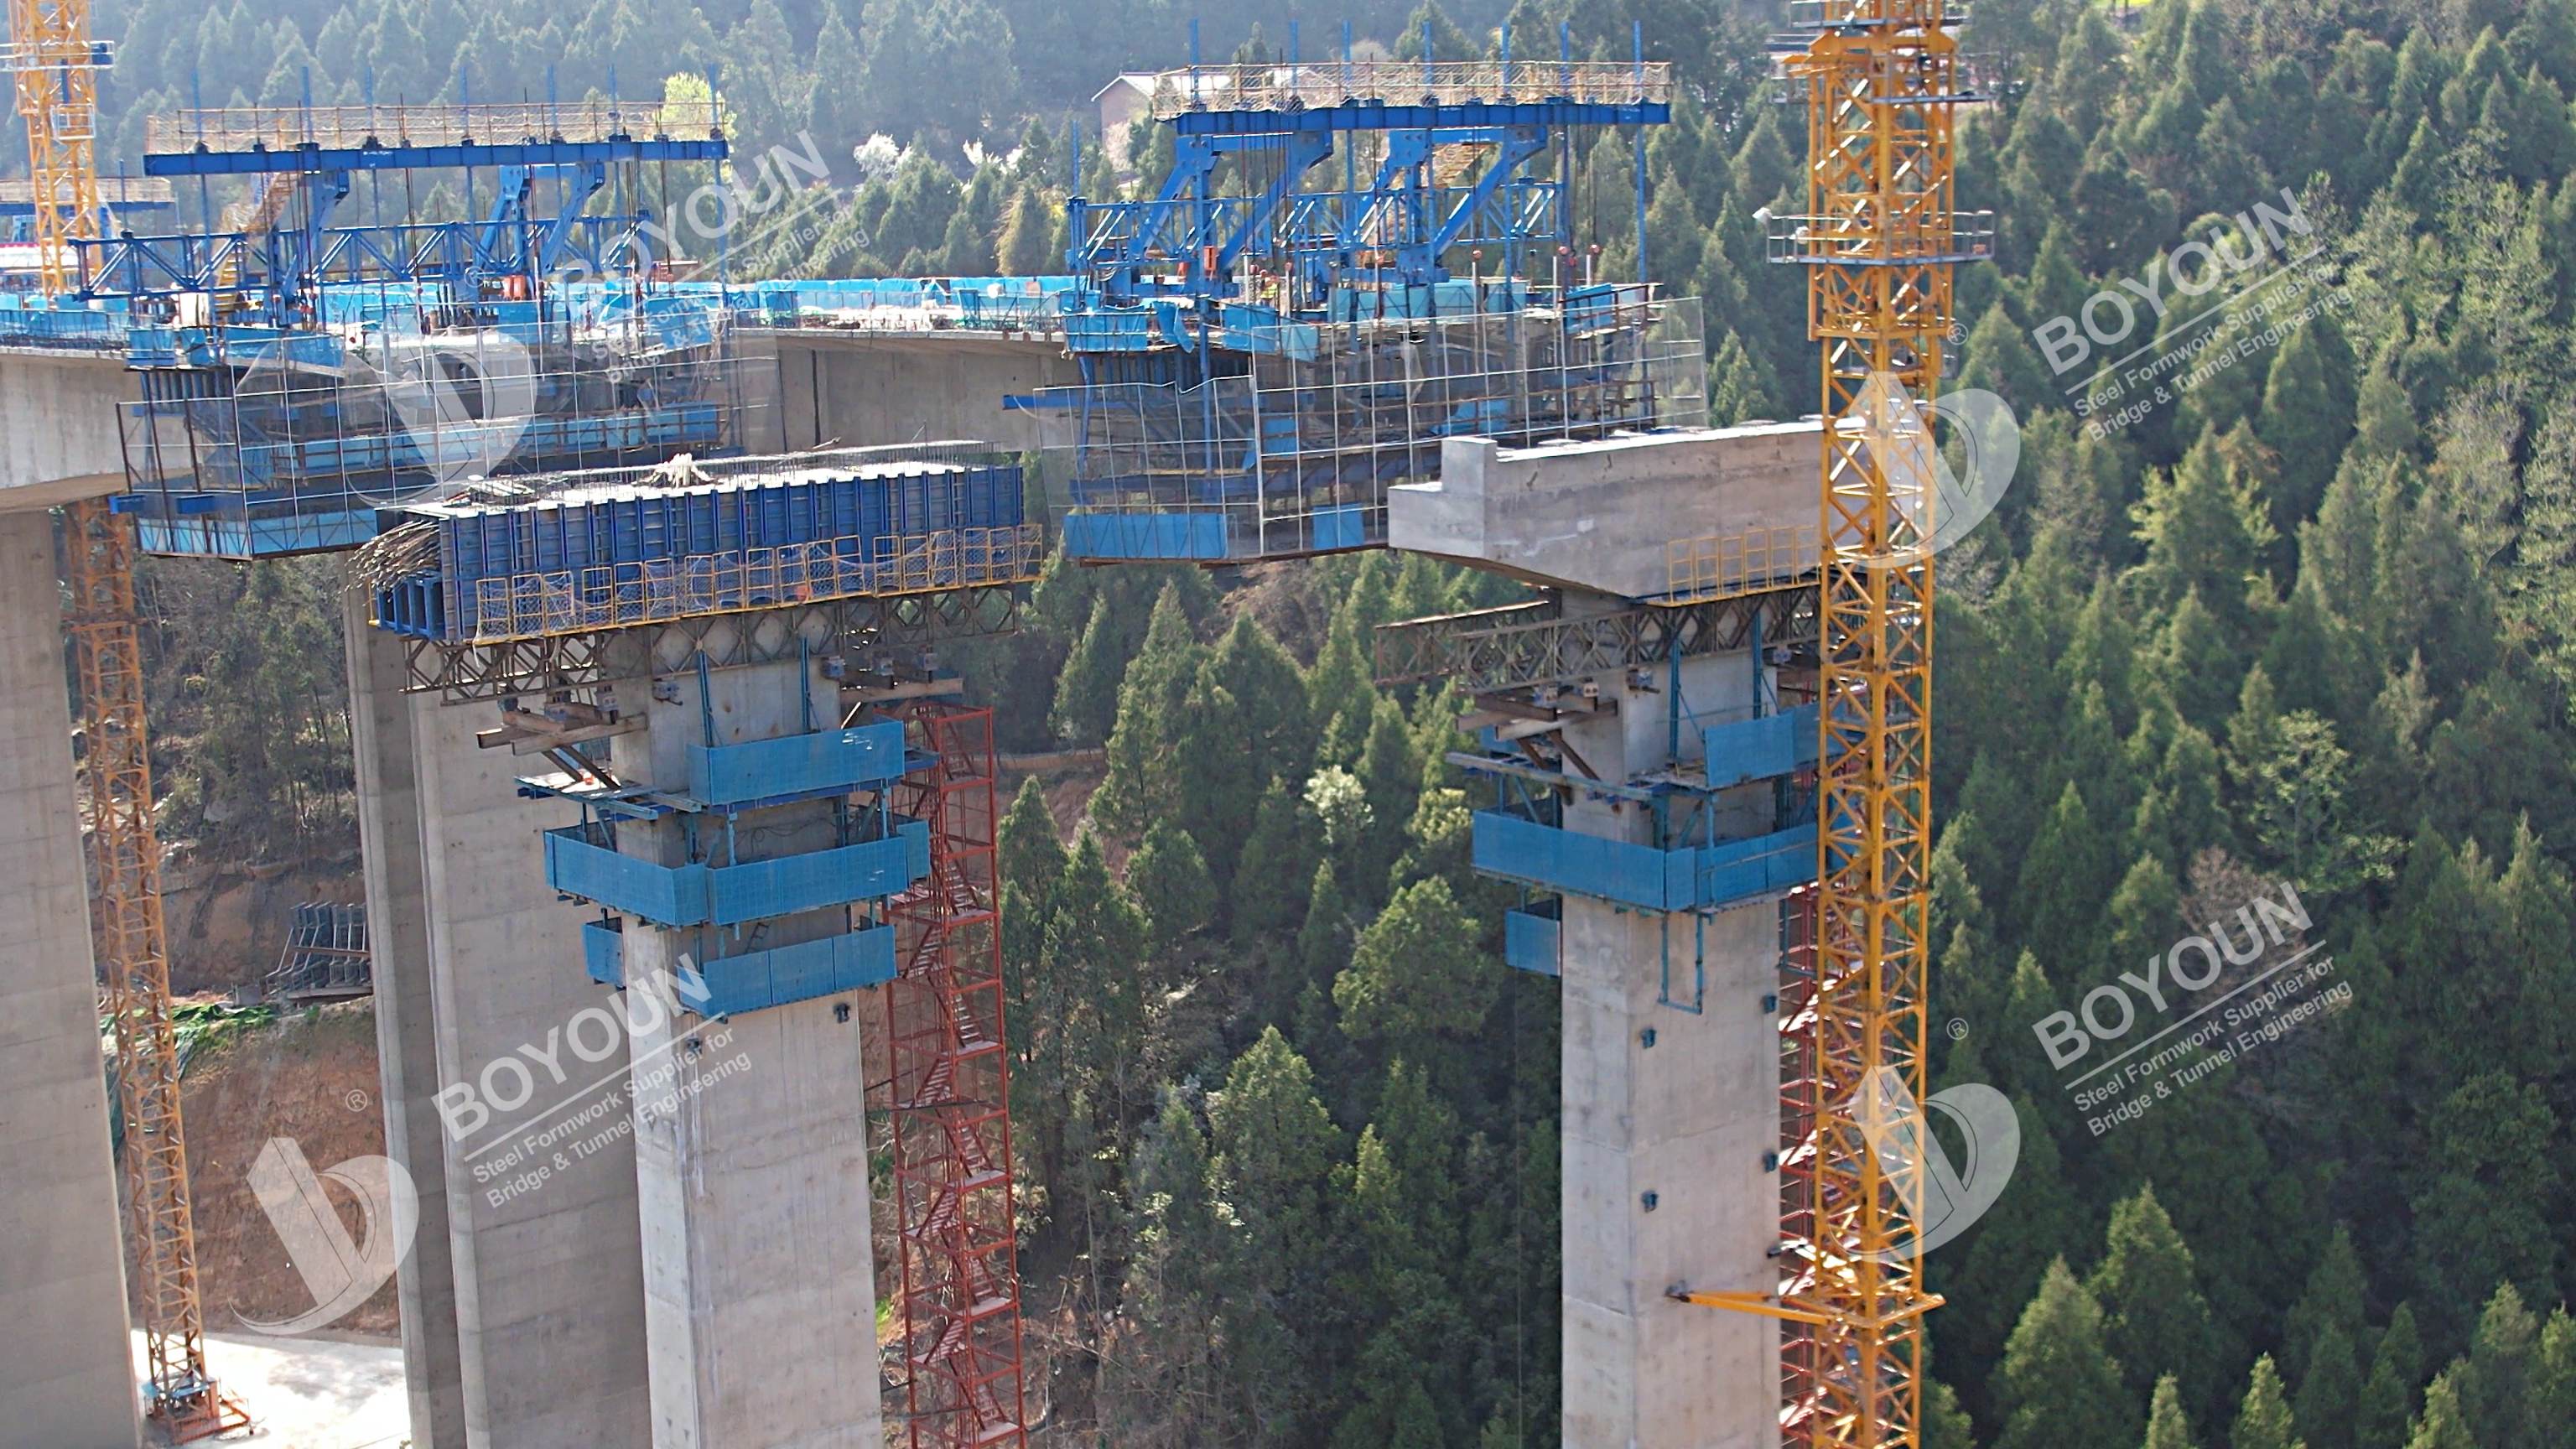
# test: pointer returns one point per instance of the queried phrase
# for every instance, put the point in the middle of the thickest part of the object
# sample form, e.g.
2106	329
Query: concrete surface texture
389	831
1670	1083
751	1144
1601	515
549	1278
855	389
63	1375
58	427
312	1393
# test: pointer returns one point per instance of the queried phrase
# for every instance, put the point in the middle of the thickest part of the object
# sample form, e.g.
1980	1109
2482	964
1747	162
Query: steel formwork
949	1128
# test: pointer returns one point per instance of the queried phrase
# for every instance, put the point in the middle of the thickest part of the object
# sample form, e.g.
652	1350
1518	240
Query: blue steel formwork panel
634	554
1694	877
1533	938
784	975
755	980
1584	865
603	952
840	759
581	862
1197	537
1761	749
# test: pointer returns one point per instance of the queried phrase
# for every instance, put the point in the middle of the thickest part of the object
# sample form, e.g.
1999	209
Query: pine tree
2184	814
2493	1187
1028	235
1244	722
1390	773
2264	1421
2155	1321
1418	979
2331	1300
1271	882
1945	1424
1028	849
2166	1426
1340	699
1166	1370
1170	881
2200	665
1086	692
2060	1386
2387	1406
2495	1381
2329	1390
1141	785
2445	1424
2196	524
2000	360
2063	881
2553	1380
1323	942
1271	1149
1737	390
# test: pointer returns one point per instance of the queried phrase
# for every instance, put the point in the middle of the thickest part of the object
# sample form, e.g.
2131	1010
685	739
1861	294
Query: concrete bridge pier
66	1365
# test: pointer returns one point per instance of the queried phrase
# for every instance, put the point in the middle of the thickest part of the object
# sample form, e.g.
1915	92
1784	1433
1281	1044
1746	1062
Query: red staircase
951	1134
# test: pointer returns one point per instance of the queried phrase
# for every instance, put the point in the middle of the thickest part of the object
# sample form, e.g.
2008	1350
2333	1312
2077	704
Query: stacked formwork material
950	1127
643	548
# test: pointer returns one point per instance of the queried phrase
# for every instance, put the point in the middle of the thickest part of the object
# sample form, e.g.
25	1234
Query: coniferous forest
1290	1126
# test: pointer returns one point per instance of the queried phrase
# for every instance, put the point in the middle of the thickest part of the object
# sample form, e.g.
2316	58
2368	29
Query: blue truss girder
1401	211
407	158
518	189
288	263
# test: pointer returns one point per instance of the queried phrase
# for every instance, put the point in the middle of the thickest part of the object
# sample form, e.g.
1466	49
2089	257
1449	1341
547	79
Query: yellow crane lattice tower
1880	81
131	946
57	66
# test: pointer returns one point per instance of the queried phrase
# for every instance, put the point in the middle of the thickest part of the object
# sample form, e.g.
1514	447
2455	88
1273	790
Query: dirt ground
309	1076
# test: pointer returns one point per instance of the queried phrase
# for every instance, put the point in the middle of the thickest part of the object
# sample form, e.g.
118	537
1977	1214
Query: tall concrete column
1671	1101
751	1149
66	1364
549	1279
389	834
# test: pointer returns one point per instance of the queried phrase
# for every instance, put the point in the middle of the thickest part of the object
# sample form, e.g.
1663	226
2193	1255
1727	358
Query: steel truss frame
131	945
1520	646
57	65
949	1127
1880	83
465	673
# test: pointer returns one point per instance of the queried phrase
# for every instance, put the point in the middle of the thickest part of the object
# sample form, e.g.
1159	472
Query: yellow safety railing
615	596
338	127
1407	82
1725	565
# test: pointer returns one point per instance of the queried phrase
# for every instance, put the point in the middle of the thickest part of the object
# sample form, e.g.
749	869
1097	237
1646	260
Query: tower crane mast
56	67
1880	80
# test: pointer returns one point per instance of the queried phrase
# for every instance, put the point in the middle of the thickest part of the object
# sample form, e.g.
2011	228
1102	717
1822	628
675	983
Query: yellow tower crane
56	66
1880	233
1880	82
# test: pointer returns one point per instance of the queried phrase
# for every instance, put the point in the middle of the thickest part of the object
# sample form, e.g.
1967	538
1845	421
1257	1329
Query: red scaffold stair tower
950	1090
